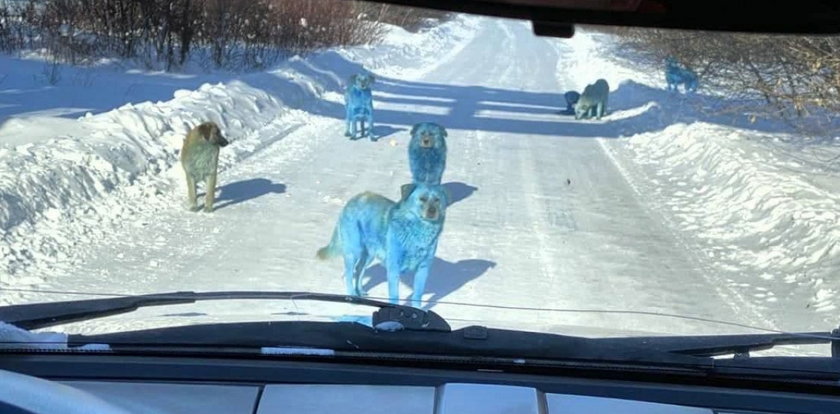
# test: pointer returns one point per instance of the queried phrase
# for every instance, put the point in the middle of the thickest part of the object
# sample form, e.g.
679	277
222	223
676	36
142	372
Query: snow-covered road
544	214
542	217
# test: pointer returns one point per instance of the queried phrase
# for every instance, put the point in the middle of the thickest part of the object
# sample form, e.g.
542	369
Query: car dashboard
170	385
449	398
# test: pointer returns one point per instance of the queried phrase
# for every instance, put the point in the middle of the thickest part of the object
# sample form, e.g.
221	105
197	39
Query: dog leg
210	197
370	126
393	269
350	265
191	198
420	277
361	265
347	120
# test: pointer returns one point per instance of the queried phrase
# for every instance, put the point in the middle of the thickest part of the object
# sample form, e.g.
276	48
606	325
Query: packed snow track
543	215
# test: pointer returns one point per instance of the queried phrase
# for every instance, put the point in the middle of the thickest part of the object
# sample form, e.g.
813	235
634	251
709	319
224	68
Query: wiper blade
42	315
348	339
738	345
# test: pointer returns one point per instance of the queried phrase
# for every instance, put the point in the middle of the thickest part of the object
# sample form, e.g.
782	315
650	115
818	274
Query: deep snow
655	208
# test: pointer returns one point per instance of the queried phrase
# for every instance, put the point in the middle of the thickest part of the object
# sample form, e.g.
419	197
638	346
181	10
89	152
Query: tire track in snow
733	298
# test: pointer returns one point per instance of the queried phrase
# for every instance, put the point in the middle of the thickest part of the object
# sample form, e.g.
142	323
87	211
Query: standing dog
402	235
358	102
200	159
427	153
676	75
593	100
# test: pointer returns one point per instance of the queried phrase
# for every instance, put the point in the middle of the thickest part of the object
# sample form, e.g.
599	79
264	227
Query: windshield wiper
738	345
42	315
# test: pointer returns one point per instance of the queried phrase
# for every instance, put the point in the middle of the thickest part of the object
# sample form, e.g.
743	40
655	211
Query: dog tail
330	250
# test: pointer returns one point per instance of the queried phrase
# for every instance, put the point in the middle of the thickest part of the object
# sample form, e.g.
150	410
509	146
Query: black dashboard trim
250	371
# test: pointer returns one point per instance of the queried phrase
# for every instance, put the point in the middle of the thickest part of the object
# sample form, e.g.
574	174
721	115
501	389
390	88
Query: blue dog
358	102
402	235
676	75
427	153
572	98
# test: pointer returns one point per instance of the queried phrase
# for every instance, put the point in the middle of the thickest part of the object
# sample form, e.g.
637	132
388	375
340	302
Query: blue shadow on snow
459	191
241	191
444	277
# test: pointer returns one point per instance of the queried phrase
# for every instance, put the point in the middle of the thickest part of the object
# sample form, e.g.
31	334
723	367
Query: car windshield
622	182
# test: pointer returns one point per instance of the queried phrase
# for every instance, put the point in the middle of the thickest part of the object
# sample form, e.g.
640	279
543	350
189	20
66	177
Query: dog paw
348	134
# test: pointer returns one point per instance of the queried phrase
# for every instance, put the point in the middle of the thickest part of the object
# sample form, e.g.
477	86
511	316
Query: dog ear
206	130
353	79
414	129
372	78
443	132
405	191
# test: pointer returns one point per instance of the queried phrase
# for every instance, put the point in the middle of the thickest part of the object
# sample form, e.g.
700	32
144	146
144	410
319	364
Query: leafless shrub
51	72
797	76
15	32
230	33
409	18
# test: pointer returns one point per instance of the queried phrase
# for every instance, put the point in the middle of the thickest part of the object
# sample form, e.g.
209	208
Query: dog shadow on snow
632	108
459	191
445	277
244	190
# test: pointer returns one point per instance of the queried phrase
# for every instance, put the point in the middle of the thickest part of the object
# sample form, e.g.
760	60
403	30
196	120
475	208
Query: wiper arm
738	345
42	315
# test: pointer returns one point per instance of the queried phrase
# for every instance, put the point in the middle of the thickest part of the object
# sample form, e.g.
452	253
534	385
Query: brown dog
200	159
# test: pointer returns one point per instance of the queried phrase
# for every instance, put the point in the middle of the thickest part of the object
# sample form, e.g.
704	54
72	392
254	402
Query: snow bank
405	54
754	205
756	200
45	186
55	173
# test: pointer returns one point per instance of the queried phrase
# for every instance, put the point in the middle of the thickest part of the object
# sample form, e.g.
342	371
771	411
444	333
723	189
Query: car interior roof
555	17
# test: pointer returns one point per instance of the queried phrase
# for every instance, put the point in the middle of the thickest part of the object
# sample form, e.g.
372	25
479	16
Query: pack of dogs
400	234
592	102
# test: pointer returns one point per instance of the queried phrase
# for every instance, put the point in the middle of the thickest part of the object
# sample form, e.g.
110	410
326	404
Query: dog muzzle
432	214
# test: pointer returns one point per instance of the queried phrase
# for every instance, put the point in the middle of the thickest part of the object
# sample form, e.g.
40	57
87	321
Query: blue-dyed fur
676	75
402	235
358	103
427	153
572	98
